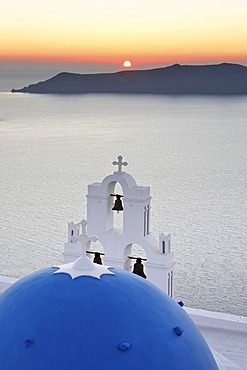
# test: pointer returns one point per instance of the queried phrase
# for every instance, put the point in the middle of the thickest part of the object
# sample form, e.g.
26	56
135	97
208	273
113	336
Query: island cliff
225	79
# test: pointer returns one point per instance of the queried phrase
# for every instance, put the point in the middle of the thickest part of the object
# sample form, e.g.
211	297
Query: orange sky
109	31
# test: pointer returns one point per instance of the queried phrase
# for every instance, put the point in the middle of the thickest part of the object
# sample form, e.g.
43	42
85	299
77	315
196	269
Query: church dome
106	319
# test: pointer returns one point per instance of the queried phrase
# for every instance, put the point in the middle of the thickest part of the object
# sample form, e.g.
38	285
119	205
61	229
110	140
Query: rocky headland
220	79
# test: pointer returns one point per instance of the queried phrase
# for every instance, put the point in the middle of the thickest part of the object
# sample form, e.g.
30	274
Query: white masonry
117	243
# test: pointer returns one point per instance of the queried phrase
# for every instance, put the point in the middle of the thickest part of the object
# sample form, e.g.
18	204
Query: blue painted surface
120	322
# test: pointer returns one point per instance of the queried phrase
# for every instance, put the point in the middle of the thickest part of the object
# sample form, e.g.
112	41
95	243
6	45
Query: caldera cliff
221	79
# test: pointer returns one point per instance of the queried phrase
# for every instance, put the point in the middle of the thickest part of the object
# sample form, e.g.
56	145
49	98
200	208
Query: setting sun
127	64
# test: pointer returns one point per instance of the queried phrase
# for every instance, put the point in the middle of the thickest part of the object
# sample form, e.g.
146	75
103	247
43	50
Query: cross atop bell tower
84	238
120	163
78	242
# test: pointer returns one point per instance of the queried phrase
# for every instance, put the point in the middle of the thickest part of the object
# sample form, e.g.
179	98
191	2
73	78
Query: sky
104	33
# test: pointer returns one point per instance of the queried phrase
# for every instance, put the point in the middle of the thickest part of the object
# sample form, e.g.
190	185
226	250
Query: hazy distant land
221	79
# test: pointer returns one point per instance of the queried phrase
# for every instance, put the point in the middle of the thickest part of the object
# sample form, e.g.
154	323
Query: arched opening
118	213
131	253
96	252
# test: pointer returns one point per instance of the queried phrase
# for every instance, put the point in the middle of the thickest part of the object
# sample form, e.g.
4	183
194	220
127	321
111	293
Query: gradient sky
110	31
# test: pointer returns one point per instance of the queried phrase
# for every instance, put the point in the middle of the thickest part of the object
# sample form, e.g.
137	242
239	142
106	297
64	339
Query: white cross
120	163
84	238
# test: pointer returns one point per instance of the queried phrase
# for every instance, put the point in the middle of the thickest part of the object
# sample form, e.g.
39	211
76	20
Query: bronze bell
118	206
97	258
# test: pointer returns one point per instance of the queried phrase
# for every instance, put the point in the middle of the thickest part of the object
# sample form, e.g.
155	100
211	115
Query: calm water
190	150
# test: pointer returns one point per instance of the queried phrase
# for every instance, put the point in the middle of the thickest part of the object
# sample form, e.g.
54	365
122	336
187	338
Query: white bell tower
117	243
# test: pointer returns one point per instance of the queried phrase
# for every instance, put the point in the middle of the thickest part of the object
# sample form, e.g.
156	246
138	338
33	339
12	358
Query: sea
191	151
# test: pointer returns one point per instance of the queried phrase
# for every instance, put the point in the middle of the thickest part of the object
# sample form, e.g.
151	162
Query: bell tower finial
119	163
84	238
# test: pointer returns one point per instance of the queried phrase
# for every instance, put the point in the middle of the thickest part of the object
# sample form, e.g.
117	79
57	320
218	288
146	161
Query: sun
127	64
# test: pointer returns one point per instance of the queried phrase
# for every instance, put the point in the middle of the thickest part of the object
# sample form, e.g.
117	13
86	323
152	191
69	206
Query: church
93	312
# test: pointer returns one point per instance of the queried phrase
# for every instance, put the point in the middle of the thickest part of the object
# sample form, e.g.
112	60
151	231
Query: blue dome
118	322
